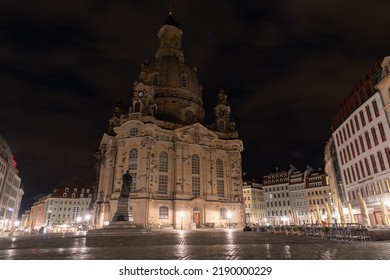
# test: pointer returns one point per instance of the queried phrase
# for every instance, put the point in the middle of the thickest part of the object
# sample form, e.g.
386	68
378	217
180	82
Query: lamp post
332	208
16	224
87	219
181	220
229	215
78	220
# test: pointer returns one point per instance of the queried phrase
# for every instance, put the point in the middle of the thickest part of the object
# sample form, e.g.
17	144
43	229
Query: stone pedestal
119	228
122	223
123	213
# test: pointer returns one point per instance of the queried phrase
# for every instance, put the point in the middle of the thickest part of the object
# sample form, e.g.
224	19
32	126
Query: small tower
223	122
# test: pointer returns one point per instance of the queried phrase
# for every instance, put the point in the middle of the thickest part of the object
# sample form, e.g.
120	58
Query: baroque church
185	174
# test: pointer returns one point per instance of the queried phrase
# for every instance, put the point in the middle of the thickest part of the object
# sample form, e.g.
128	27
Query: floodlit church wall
171	156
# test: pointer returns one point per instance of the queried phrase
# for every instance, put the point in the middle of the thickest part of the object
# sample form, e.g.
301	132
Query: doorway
196	216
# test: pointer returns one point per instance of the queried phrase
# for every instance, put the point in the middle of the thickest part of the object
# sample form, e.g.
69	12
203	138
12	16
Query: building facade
332	169
253	196
185	174
318	197
11	189
296	197
277	200
68	208
362	139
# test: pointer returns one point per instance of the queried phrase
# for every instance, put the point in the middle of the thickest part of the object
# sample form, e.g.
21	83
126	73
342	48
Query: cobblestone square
214	244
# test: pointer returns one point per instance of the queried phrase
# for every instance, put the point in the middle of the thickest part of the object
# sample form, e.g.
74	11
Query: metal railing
351	232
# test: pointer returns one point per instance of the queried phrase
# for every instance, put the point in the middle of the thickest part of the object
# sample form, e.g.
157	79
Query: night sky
285	65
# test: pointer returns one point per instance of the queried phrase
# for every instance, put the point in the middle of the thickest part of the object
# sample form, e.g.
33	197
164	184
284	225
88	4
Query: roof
171	21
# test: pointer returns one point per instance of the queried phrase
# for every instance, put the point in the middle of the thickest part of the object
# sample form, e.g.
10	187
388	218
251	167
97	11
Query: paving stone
214	244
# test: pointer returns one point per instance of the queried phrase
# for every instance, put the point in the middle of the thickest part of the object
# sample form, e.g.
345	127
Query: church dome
171	21
178	93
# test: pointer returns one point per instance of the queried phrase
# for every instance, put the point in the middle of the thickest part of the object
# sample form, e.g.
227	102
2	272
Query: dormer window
67	190
75	190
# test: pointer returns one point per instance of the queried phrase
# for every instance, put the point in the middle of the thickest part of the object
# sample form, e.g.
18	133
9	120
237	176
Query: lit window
195	185
163	162
163	184
133	159
163	212
220	188
219	168
195	164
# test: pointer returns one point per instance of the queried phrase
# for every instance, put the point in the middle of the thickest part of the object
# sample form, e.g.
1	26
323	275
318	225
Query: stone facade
11	188
361	136
185	174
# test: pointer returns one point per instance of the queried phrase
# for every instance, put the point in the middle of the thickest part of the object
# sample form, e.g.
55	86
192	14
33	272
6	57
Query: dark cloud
286	65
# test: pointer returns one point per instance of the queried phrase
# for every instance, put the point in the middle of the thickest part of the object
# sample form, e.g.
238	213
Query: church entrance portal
196	216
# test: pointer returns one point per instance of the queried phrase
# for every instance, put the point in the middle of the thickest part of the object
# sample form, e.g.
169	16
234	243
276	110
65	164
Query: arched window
163	212
221	125
195	168
133	164
137	107
190	116
219	168
195	164
133	159
223	213
163	162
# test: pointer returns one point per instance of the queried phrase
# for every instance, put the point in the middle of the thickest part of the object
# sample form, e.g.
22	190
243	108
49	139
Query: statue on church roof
117	119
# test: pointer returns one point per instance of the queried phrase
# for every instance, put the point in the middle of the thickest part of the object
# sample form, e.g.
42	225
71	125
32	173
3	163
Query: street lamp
229	215
332	208
16	224
87	219
78	223
181	220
